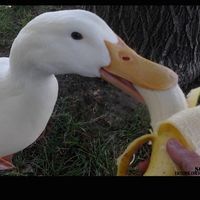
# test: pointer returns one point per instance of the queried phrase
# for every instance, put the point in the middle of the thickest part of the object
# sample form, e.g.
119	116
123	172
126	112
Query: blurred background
93	122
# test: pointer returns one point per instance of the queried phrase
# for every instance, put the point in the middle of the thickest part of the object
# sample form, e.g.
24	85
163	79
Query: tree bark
168	35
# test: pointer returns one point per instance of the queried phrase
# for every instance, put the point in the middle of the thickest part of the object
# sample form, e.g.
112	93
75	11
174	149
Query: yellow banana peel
183	126
193	97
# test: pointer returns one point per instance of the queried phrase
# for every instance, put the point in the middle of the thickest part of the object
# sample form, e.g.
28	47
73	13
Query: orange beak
127	69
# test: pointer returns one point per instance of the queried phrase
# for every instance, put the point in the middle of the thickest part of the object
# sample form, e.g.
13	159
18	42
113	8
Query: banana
163	104
183	126
193	97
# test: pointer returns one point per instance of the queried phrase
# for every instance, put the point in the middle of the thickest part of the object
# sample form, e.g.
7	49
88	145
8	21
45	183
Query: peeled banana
183	126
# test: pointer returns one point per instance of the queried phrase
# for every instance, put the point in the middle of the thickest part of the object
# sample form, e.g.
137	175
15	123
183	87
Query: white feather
44	47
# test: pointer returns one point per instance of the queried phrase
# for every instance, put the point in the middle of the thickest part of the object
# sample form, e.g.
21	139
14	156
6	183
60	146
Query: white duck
66	42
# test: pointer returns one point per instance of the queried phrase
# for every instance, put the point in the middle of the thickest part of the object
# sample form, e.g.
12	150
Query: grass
91	125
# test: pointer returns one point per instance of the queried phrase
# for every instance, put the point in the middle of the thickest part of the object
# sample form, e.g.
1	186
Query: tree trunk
168	35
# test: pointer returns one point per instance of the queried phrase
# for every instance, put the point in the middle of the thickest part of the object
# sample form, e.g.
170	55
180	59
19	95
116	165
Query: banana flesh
183	126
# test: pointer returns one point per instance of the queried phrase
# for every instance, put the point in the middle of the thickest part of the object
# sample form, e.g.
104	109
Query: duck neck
26	58
24	71
163	104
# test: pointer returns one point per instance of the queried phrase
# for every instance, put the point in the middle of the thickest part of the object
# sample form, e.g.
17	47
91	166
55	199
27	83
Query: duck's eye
76	36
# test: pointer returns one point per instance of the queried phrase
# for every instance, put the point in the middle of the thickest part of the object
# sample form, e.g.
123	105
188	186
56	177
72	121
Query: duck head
80	42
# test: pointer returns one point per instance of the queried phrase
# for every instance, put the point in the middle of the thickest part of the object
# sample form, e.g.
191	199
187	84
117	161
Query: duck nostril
125	58
123	55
